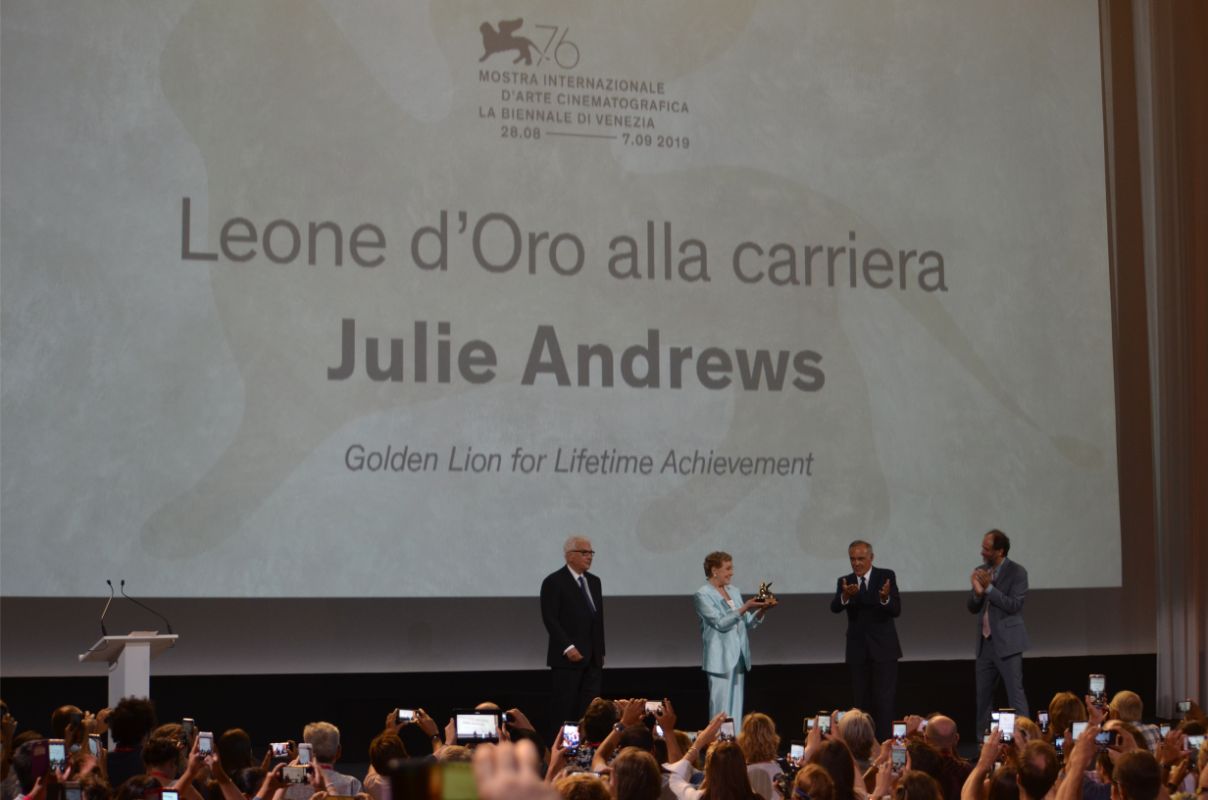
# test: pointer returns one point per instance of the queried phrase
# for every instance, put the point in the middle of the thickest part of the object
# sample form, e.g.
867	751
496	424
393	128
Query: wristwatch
619	728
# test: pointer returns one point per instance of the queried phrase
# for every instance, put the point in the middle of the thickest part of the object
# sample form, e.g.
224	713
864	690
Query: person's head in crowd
1192	727
637	735
132	720
917	785
94	787
23	764
1028	729
248	781
140	787
597	721
385	748
726	773
61	718
1127	706
1065	709
324	740
857	731
235	750
925	758
416	740
685	742
1037	770
454	752
635	775
814	783
582	786
758	739
941	733
834	757
1137	776
161	757
1003	784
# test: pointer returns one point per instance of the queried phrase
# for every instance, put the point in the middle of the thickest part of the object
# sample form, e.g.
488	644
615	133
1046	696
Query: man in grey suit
999	588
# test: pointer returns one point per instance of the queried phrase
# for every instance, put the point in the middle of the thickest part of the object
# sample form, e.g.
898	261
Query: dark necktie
863	584
587	594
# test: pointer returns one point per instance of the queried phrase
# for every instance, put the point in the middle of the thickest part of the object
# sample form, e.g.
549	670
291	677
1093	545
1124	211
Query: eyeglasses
585	552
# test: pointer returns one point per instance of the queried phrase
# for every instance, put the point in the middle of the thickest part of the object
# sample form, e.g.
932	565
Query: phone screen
476	727
654	707
659	732
94	744
570	735
406	715
72	792
1097	684
808	724
824	723
727	730
1163	731
1195	741
1059	744
169	794
205	742
57	753
1006	725
899	757
293	775
1077	728
457	781
796	751
1043	719
304	753
899	729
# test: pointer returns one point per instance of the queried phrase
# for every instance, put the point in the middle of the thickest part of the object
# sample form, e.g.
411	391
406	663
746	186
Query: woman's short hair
635	775
582	786
385	748
916	785
758	739
855	728
813	782
715	560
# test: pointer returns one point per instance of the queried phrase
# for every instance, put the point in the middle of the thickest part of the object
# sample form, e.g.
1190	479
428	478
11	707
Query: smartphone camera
94	743
727	730
1006	725
1059	745
304	753
1105	739
1184	706
280	749
1195	741
189	727
1096	685
294	775
824	723
899	757
899	729
169	794
1077	729
71	790
205	742
796	751
1043	719
570	737
56	753
406	715
807	725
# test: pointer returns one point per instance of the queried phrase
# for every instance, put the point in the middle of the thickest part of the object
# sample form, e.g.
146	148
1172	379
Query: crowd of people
1084	749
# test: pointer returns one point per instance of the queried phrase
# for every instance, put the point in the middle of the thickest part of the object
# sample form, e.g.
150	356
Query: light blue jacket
723	631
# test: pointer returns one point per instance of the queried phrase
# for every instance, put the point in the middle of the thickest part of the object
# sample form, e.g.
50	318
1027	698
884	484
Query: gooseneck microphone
144	605
106	609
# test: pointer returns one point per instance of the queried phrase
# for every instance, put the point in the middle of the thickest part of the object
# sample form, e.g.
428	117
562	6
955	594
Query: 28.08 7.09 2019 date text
654	140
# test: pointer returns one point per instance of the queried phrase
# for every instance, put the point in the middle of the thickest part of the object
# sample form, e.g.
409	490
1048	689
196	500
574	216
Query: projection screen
402	295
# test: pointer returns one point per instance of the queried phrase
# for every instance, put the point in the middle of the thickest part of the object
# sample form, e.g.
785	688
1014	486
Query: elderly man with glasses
572	608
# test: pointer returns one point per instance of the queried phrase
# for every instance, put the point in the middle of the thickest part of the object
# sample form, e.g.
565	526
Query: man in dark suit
869	595
999	588
572	607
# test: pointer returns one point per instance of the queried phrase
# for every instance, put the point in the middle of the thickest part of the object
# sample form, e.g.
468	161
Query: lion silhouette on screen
503	40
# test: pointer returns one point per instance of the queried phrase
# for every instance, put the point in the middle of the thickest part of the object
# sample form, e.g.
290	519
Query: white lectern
129	659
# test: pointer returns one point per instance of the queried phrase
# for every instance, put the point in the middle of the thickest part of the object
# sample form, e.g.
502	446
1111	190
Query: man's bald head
941	733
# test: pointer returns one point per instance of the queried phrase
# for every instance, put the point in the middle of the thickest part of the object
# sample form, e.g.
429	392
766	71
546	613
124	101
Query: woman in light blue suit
724	619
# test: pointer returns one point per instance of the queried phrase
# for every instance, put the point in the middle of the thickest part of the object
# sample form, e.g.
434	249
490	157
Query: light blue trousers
725	694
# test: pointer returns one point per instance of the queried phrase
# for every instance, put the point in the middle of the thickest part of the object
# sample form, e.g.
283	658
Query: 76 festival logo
504	38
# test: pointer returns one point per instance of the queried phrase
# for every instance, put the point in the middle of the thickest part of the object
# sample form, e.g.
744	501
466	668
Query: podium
129	659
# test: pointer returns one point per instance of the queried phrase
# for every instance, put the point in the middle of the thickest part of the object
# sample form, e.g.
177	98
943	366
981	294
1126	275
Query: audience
1120	756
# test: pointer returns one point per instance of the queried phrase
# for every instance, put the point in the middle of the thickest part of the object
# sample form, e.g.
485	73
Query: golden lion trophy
764	595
